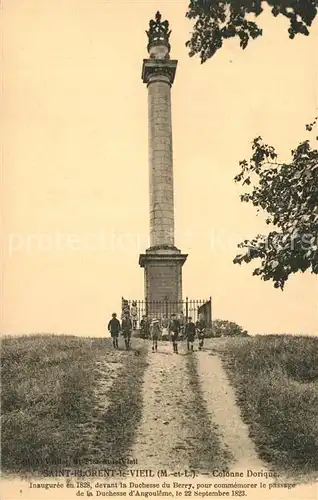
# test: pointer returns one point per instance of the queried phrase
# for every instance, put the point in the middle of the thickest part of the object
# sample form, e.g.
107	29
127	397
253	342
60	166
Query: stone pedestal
163	274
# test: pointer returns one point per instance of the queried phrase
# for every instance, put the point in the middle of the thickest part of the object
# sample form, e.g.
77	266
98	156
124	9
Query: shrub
224	328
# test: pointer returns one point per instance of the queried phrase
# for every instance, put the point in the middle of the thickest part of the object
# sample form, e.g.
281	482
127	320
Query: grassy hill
276	382
68	399
51	411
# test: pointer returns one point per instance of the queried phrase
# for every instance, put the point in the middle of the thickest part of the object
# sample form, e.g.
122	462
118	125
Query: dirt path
162	436
219	396
190	417
175	432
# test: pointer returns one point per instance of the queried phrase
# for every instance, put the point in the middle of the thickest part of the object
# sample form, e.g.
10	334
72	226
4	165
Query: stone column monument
162	261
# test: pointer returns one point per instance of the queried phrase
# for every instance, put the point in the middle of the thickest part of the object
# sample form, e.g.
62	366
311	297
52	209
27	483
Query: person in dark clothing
126	327
200	327
174	329
182	323
190	334
114	329
155	332
125	308
145	327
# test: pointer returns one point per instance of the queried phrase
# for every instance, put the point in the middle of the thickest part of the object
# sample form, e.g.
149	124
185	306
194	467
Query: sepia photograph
159	253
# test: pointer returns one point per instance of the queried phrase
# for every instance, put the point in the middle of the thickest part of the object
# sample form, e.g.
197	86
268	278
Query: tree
216	21
224	328
288	193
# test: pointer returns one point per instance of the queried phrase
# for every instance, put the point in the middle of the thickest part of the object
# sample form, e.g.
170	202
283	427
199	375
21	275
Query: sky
75	163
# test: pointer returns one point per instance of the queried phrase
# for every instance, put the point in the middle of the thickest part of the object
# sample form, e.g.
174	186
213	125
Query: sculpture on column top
158	35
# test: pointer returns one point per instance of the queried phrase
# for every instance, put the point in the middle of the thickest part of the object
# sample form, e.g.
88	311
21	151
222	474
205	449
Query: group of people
115	328
156	329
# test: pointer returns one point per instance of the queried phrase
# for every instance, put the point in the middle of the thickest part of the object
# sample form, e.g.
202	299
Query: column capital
153	68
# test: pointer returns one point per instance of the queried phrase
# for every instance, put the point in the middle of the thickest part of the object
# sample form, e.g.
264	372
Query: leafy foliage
288	192
224	328
216	21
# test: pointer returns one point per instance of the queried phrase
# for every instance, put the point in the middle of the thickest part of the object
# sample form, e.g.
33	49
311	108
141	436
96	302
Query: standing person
174	329
133	312
126	327
145	326
165	327
190	334
155	332
200	326
114	329
125	308
181	320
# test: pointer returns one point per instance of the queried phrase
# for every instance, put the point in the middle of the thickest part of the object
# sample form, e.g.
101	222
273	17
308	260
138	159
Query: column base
163	273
